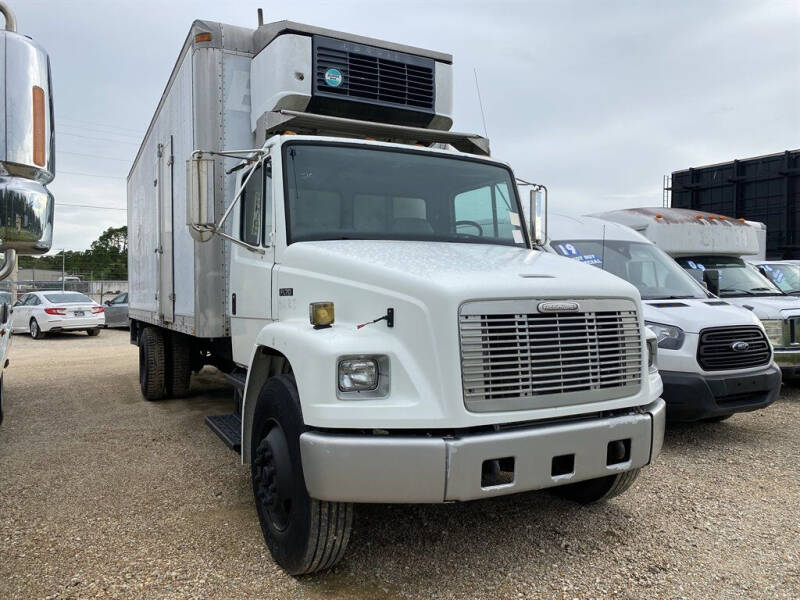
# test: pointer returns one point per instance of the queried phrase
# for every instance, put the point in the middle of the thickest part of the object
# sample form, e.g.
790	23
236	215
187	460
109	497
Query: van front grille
723	348
374	75
513	360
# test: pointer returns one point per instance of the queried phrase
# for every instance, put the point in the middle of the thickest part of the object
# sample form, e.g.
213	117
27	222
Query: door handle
233	303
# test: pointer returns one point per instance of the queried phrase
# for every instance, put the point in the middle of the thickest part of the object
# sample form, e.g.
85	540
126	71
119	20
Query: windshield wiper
667	297
765	289
735	290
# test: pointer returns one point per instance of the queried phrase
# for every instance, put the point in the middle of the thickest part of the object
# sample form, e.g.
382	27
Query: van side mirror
200	197
711	279
538	216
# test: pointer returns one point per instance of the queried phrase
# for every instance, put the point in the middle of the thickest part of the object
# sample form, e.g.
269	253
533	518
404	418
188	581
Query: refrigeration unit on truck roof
679	231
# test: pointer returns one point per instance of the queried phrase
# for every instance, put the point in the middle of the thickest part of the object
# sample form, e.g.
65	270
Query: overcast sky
598	100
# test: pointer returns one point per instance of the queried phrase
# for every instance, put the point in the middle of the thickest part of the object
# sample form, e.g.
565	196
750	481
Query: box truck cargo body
302	217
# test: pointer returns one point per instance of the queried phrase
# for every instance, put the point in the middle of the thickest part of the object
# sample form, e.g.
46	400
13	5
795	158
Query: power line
125	160
90	206
138	131
91	175
81	130
89	137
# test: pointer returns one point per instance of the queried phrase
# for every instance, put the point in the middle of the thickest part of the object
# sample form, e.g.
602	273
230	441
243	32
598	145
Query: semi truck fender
294	346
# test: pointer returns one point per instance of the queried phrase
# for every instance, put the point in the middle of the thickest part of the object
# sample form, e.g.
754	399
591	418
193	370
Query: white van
714	248
714	358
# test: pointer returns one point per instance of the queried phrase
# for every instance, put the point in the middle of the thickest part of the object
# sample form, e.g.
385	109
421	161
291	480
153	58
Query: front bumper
788	360
418	469
693	397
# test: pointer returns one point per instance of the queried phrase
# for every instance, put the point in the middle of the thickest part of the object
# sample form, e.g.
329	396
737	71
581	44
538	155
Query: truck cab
366	279
714	357
714	248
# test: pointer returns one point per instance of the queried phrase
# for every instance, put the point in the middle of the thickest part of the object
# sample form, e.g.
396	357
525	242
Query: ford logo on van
740	346
551	307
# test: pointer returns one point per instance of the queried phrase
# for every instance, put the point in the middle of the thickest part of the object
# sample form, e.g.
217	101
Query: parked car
38	313
117	311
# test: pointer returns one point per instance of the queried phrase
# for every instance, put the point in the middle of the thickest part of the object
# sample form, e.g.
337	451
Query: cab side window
252	205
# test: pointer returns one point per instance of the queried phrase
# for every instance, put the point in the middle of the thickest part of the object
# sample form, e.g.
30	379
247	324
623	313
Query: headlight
774	330
669	337
358	374
652	353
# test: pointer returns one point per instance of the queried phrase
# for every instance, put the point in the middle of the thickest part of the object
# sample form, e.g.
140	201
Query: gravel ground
103	494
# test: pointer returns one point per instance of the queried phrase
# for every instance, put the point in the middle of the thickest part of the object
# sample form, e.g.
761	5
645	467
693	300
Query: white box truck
291	224
713	248
714	357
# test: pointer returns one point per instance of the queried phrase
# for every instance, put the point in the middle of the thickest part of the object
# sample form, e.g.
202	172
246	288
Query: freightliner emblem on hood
550	307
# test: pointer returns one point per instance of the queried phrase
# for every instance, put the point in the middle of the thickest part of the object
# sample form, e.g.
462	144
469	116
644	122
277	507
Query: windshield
336	191
785	276
736	278
654	273
67	298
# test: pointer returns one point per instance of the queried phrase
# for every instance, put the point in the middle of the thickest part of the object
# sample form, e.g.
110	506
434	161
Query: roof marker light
202	37
659	216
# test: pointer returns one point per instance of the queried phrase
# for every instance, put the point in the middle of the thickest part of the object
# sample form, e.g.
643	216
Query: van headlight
774	330
669	337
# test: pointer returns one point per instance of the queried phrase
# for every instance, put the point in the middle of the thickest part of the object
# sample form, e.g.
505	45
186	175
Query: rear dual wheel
165	364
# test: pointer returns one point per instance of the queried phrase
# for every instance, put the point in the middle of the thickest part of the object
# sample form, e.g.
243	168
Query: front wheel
597	490
303	534
36	331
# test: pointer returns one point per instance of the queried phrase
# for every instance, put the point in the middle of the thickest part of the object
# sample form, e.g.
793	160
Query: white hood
460	271
693	315
768	307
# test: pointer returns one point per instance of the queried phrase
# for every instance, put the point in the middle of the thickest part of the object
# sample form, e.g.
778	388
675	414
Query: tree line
106	258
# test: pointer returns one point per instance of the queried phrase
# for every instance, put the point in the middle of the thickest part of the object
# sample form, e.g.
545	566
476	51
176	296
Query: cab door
249	304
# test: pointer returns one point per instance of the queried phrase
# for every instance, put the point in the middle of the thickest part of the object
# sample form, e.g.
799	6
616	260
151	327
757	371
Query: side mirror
711	279
538	216
200	197
107	302
5	311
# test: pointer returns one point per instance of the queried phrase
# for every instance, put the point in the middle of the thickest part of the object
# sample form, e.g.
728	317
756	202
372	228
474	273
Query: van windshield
736	277
342	192
786	276
655	274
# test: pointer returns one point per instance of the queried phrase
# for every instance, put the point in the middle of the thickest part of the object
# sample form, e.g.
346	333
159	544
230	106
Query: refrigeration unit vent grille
372	75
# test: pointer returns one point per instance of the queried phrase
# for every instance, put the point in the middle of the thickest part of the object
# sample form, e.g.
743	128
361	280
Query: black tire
598	490
179	366
36	331
303	534
151	363
718	419
93	332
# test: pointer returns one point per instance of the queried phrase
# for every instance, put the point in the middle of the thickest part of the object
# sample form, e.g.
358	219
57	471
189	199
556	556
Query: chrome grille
517	359
715	349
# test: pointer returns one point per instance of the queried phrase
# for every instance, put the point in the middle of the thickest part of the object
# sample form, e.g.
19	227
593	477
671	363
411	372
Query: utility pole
63	256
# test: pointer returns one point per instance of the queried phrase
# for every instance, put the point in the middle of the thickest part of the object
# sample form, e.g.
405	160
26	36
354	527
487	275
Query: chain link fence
99	291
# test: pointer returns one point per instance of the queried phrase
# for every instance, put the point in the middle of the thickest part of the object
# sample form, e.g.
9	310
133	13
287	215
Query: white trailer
714	248
394	331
